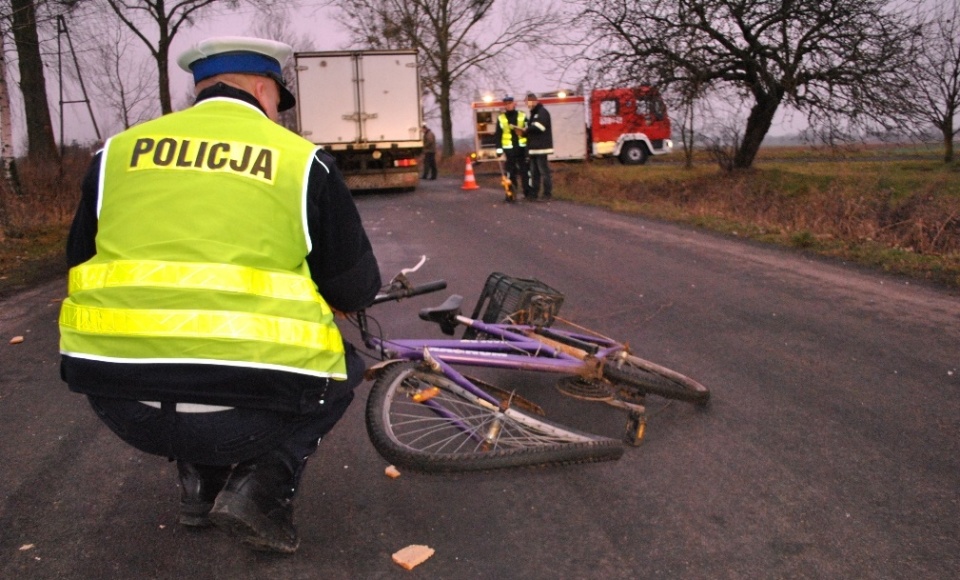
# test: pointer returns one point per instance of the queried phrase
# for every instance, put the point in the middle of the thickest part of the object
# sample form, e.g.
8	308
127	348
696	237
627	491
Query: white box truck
363	107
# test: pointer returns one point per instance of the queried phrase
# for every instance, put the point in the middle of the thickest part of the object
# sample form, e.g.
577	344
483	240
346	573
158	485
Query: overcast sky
310	20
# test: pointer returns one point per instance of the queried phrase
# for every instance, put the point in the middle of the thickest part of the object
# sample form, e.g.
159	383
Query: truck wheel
633	153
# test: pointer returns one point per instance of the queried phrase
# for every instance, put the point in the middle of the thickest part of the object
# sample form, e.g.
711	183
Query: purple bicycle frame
514	350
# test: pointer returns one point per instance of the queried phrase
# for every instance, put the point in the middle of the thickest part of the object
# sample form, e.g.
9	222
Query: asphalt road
830	449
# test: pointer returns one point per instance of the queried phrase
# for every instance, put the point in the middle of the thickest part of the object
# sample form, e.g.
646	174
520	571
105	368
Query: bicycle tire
411	435
648	377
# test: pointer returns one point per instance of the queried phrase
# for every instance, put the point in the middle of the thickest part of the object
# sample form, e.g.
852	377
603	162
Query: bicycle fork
491	434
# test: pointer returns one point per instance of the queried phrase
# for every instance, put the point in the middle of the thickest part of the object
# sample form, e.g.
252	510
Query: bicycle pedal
636	430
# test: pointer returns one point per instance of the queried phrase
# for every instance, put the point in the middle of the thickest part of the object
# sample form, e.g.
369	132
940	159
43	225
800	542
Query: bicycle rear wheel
647	377
420	420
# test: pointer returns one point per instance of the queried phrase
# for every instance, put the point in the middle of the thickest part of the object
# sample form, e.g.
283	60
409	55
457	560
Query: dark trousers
430	165
231	436
540	171
516	168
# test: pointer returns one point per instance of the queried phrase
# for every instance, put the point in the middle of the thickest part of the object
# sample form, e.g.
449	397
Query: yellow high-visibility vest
506	133
201	247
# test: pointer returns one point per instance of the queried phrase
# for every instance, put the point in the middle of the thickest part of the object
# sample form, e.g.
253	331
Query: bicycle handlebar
398	290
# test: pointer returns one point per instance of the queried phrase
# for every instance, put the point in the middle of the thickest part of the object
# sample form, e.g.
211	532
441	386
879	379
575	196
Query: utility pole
62	30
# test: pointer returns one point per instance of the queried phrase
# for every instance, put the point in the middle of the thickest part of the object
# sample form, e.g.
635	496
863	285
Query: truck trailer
363	107
627	123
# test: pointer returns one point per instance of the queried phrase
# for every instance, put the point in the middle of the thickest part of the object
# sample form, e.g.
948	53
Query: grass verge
894	210
34	258
35	220
900	216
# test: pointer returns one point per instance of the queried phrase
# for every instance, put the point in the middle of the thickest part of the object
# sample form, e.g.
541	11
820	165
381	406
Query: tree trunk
758	124
6	144
163	68
6	140
6	119
948	140
41	143
687	133
446	119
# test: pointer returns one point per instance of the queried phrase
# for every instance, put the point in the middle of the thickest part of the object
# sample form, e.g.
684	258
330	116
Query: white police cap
242	55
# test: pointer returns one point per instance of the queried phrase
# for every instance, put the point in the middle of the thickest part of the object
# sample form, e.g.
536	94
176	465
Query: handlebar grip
429	287
398	293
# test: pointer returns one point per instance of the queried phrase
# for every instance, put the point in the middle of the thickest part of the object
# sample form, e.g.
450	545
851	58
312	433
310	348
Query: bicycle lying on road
424	414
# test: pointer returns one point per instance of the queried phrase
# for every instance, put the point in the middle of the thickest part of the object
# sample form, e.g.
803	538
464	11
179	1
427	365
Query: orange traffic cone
469	181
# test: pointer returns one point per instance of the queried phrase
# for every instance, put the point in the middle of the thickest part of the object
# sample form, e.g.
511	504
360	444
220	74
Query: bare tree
825	58
721	129
6	143
168	19
40	140
454	38
691	106
688	99
123	81
934	80
6	122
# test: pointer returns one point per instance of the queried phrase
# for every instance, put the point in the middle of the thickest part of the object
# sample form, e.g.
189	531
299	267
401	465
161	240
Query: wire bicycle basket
506	299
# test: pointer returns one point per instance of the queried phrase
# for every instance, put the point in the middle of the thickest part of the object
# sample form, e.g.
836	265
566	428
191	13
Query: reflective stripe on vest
223	277
197	324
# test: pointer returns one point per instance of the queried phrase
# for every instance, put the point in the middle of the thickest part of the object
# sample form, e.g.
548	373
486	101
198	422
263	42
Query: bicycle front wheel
647	377
420	420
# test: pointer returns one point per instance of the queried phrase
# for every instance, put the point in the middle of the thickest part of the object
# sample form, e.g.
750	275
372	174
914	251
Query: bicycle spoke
421	419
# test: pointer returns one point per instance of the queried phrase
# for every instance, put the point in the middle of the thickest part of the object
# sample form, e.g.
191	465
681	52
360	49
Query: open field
894	208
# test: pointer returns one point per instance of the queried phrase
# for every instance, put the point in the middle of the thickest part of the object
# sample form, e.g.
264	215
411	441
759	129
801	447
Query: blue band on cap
235	62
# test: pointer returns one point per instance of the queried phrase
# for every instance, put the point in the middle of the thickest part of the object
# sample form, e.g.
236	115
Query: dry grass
35	219
902	216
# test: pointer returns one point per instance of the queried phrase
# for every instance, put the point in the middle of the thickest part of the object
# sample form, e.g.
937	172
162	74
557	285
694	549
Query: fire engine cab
627	123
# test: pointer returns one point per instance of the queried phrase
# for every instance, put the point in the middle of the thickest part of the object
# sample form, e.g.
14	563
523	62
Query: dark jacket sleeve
81	243
342	263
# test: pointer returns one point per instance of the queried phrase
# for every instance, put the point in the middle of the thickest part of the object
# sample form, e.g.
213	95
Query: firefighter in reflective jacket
512	143
208	254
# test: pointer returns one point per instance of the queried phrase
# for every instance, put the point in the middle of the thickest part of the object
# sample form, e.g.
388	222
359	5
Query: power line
62	30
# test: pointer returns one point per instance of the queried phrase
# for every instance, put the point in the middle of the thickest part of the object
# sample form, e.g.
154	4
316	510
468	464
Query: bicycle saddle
445	315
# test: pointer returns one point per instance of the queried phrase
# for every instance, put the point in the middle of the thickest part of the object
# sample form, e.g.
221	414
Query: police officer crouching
208	254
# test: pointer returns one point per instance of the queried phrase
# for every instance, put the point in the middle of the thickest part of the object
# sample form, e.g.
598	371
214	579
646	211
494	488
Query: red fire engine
627	123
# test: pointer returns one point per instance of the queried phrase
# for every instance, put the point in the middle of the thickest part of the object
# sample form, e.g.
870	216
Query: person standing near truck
208	255
539	135
512	143
429	154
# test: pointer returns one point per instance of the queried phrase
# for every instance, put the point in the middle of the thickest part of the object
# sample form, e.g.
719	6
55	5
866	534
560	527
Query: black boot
199	486
256	505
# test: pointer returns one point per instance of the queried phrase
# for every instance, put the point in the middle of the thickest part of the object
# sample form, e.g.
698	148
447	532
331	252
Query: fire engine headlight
376	154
